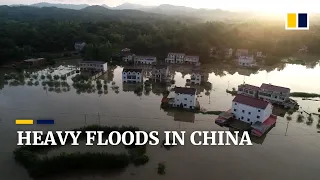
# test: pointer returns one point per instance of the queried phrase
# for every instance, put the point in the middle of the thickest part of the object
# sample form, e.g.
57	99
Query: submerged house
196	77
191	60
274	94
160	73
145	60
132	75
247	61
183	97
93	66
175	58
78	46
268	92
256	112
35	62
242	52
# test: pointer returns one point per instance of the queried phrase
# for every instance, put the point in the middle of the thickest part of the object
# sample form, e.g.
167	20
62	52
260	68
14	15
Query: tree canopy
26	31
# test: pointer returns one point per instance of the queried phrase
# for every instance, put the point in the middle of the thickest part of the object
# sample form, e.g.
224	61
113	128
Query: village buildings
242	52
250	110
196	77
145	60
228	52
93	66
78	46
181	58
35	62
132	75
191	59
268	92
160	73
247	61
183	97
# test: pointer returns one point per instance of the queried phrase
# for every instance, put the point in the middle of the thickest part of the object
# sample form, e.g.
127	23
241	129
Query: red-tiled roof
184	90
250	101
248	86
271	87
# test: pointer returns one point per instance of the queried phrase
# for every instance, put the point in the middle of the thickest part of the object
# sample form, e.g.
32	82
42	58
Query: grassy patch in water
304	94
65	162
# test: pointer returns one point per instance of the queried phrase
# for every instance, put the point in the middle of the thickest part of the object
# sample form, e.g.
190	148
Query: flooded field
291	150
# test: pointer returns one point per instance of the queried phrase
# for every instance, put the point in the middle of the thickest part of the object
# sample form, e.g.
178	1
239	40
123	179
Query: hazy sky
256	5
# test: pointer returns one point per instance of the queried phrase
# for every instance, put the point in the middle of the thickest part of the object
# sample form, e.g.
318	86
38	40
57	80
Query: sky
235	5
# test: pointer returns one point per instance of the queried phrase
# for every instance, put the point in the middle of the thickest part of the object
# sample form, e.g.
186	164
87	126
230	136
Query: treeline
54	30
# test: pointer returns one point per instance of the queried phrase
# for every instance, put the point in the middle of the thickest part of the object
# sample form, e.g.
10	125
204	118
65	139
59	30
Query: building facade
78	46
251	110
191	59
274	94
145	60
242	52
36	62
132	75
228	52
247	61
175	58
196	77
248	90
128	57
183	97
160	73
93	66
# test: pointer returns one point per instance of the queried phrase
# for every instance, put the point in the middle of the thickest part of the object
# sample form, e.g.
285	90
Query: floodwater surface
291	150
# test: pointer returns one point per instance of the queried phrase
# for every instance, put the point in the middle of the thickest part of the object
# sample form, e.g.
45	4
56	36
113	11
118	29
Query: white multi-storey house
78	46
247	61
196	77
251	110
248	90
175	58
126	50
93	66
183	97
145	60
274	94
160	73
132	75
242	52
191	59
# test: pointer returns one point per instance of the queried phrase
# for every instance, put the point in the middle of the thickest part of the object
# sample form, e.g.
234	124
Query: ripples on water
291	144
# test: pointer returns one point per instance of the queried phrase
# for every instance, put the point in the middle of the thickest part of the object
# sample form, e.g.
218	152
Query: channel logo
31	121
297	21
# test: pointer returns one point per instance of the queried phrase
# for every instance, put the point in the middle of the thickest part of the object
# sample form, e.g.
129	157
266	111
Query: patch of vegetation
304	94
42	77
161	168
38	166
300	118
289	118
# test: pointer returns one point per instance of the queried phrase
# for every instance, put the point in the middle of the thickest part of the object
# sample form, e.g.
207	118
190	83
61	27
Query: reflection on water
127	104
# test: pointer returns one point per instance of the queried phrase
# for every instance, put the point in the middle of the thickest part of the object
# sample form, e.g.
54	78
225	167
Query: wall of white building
145	60
188	101
250	114
135	77
93	66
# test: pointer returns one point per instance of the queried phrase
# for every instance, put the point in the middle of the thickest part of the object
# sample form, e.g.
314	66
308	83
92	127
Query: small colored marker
45	121
24	121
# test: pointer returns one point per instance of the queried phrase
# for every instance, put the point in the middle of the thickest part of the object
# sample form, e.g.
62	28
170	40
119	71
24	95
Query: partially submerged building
145	60
183	97
34	62
247	61
160	73
130	75
93	66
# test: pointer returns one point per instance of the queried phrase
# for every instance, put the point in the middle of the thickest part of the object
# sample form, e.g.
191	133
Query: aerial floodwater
291	150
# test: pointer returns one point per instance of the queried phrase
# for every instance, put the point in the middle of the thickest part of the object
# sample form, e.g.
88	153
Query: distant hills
165	9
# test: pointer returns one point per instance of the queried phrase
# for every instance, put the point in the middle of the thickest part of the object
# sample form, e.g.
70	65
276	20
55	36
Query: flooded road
291	150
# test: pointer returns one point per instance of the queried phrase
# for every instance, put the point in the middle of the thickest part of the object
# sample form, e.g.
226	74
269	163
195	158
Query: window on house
249	112
248	119
258	117
276	97
185	104
243	111
234	110
258	110
185	98
242	117
177	99
235	103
